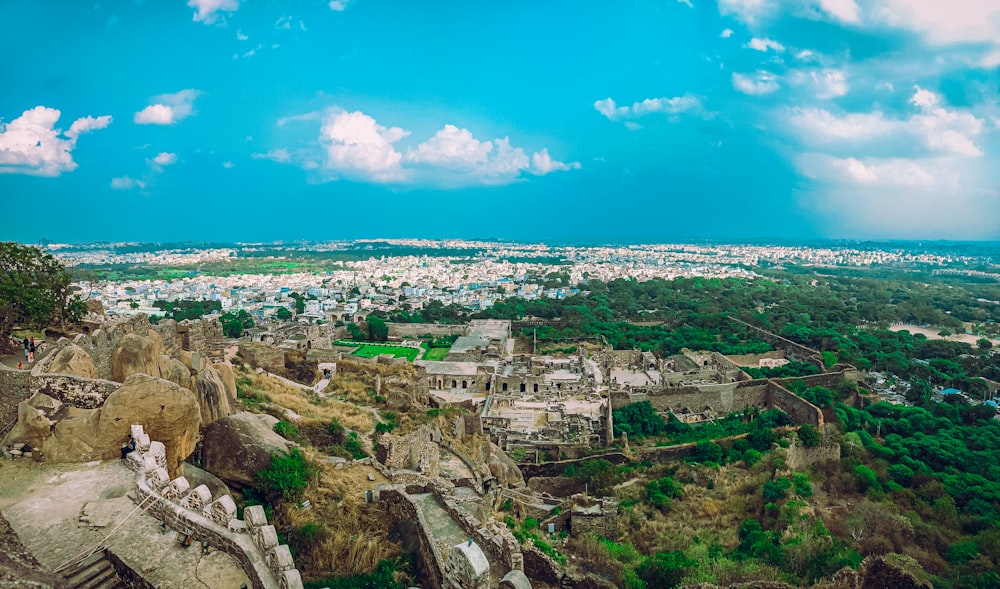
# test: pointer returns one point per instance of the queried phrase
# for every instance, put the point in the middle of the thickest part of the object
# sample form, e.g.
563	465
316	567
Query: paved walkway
445	532
61	510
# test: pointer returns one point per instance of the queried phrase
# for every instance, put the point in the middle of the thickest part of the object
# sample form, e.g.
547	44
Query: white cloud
924	98
165	159
283	22
491	162
451	146
87	124
825	83
542	163
820	126
669	106
240	36
126	183
757	84
30	144
686	3
339	5
764	45
357	145
747	11
804	55
168	109
842	10
207	11
726	33
228	165
944	22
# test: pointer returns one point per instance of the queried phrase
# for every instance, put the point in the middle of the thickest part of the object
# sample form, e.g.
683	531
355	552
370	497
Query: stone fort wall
192	512
414	330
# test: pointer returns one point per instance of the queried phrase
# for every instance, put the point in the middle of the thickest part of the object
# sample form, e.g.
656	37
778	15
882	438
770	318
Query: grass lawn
366	350
435	353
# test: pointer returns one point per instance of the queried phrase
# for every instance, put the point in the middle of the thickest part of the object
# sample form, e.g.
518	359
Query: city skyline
678	120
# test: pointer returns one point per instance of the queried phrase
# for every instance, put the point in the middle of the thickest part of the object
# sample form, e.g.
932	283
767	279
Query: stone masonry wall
14	388
414	330
402	509
800	410
252	542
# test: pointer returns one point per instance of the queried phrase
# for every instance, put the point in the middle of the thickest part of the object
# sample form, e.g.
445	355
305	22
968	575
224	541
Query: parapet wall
797	408
76	391
402	508
14	388
193	513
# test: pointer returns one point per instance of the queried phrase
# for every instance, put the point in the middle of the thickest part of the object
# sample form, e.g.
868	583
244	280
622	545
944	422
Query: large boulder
169	414
228	378
35	418
503	468
212	395
236	447
74	360
174	371
135	355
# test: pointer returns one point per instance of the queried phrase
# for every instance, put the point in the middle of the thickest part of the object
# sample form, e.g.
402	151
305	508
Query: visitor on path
31	357
19	366
26	352
32	348
128	446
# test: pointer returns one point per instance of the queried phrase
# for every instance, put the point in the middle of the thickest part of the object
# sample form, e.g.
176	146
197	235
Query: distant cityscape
386	275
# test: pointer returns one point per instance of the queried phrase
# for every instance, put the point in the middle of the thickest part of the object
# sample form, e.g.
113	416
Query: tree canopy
34	289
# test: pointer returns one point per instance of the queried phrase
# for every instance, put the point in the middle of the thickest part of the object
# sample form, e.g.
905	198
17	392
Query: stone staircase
93	572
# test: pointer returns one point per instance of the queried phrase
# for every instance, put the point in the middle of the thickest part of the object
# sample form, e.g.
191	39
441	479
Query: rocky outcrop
503	468
236	447
212	396
58	432
136	354
228	378
174	371
170	413
73	360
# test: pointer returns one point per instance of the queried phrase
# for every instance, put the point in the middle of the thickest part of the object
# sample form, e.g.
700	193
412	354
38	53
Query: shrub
803	488
809	436
286	430
287	477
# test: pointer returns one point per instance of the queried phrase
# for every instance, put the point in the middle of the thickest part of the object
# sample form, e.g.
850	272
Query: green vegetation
34	291
384	576
366	350
234	324
287	476
528	529
437	354
181	310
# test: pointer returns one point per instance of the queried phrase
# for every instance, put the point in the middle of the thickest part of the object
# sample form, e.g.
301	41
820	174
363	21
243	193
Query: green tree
34	290
378	331
984	344
809	436
283	314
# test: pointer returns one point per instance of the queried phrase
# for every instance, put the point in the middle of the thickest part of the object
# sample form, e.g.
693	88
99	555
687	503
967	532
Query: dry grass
340	534
307	403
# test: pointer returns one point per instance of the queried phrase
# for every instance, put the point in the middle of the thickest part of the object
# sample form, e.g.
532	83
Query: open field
367	350
932	333
437	354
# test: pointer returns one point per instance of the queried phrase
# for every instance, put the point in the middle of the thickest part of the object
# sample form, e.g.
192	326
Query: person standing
27	345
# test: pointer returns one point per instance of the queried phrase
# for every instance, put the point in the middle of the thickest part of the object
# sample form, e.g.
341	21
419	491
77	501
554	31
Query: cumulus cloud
339	5
726	33
168	109
755	12
126	183
756	84
954	21
356	146
842	10
493	161
765	45
542	163
30	144
208	11
669	106
87	124
165	159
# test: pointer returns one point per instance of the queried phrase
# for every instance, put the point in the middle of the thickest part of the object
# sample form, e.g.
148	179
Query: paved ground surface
59	511
446	532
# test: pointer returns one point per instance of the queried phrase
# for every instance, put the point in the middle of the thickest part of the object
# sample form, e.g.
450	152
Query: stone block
255	516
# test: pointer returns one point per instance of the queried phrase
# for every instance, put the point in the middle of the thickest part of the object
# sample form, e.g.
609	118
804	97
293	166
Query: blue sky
566	121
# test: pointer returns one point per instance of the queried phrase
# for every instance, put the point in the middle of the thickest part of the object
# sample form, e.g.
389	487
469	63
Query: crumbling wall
797	408
14	388
416	330
264	356
401	507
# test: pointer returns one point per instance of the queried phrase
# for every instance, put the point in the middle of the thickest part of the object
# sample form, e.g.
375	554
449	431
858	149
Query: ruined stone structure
195	516
599	517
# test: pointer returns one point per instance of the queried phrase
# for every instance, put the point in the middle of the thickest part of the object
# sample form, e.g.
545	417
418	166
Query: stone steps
94	572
